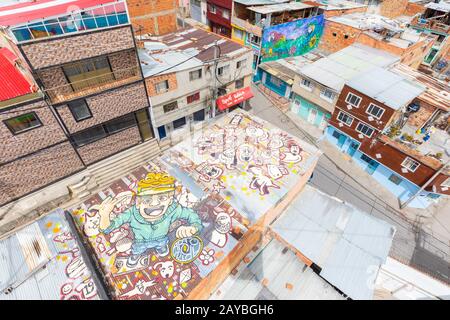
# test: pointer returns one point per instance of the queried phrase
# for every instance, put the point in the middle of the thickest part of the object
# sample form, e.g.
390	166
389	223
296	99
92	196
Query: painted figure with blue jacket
155	209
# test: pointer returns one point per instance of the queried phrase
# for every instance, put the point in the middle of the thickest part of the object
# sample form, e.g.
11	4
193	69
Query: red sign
232	99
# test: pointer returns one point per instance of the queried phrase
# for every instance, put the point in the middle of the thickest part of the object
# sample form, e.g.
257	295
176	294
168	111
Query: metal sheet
348	244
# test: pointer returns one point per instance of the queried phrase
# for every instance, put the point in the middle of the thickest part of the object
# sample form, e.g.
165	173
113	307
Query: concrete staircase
106	171
101	174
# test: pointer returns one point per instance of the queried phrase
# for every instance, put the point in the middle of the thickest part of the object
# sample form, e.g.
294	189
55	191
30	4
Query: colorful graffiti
160	230
291	39
49	243
245	160
153	237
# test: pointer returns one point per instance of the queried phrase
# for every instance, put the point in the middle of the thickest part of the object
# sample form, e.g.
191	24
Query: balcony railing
430	24
92	85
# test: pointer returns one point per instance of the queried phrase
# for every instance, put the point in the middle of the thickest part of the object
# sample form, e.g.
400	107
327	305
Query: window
239	34
345	118
305	83
240	63
446	183
395	179
88	136
88	73
162	86
364	129
212	8
346	36
193	97
170	107
255	39
223	70
334	34
336	134
179	123
121	123
352	99
375	111
410	164
275	81
239	83
199	115
23	123
226	14
327	95
80	110
194	75
105	16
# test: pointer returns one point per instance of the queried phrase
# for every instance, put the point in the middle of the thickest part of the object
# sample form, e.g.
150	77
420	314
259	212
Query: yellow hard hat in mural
156	182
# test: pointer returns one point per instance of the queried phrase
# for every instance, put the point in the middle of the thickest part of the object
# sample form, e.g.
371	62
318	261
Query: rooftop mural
292	39
160	230
43	261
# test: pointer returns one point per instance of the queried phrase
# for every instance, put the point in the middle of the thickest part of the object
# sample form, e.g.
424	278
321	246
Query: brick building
94	104
378	32
155	17
394	124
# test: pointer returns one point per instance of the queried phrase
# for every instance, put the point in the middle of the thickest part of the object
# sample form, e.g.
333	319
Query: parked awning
232	99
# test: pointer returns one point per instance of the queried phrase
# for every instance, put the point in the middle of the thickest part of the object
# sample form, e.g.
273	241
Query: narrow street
412	244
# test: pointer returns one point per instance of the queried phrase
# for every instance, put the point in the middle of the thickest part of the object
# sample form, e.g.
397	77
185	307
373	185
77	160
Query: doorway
144	124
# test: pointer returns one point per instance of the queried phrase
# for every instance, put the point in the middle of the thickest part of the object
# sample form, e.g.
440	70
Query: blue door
162	132
341	140
352	148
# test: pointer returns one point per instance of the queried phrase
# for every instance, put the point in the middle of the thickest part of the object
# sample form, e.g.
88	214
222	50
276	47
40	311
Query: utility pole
215	90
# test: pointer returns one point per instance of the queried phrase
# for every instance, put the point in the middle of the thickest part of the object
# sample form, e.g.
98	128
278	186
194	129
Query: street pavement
422	238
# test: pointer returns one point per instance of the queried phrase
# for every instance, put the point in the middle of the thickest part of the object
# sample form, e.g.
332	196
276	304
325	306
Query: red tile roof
14	83
28	11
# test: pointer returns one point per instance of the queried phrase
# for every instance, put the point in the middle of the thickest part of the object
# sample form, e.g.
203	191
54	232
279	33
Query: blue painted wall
403	191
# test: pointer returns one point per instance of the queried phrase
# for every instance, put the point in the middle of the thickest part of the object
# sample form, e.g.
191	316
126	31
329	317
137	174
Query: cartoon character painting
150	218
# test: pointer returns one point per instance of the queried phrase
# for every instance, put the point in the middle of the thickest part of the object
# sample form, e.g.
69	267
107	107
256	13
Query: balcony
93	85
246	25
430	24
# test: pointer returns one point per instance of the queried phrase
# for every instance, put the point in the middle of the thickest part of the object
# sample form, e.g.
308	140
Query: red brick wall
153	16
151	82
393	8
107	106
109	145
14	146
35	171
330	43
413	8
46	53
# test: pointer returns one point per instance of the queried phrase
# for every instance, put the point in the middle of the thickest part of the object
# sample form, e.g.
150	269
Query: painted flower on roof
207	256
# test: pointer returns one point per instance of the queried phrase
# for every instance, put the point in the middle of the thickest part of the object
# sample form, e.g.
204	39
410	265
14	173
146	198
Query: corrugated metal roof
391	89
260	2
334	70
441	6
13	82
348	244
47	243
276	273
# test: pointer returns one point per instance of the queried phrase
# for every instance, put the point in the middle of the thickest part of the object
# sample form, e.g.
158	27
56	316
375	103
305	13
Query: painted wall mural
160	230
153	237
245	160
292	39
48	242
